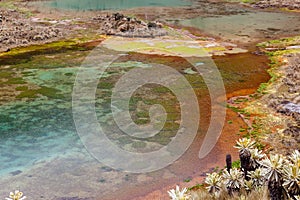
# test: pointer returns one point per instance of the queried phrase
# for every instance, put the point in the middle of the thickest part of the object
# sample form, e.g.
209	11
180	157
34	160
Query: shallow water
249	26
41	153
114	5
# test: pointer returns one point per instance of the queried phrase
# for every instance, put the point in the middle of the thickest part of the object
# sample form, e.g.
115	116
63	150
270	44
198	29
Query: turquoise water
40	151
39	145
113	4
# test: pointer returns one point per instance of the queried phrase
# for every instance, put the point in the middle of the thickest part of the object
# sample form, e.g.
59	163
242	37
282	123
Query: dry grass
202	194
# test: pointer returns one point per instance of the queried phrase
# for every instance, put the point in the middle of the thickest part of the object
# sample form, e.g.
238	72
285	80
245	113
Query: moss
4	74
27	94
262	87
8	5
238	110
22	88
105	85
15	81
150	101
242	129
280	42
141	121
187	180
160	140
236	164
161	89
45	91
24	54
68	74
142	114
134	100
50	92
173	116
171	126
196	187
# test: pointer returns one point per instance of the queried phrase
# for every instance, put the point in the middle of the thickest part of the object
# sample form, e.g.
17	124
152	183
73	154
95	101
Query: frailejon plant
178	194
249	185
214	182
257	178
245	146
16	196
280	174
292	180
255	158
273	173
295	158
233	180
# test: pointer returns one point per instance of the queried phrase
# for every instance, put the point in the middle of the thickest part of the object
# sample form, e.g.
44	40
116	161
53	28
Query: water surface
40	151
114	4
247	27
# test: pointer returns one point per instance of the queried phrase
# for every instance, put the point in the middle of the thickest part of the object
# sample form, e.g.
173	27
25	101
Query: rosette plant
178	194
245	145
255	158
16	196
214	182
273	173
233	180
292	175
257	178
292	180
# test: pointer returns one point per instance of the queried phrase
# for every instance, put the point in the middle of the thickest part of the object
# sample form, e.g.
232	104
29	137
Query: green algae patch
21	54
30	94
44	91
5	74
8	5
17	80
105	85
22	88
37	48
280	43
50	92
161	46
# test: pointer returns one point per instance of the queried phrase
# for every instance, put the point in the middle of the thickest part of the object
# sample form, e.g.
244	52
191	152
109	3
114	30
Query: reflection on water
113	4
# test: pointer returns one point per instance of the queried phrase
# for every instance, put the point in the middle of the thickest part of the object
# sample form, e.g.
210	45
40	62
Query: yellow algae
171	47
52	45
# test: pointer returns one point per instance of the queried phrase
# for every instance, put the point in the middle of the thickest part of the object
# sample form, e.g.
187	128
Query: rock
290	4
118	24
152	25
17	30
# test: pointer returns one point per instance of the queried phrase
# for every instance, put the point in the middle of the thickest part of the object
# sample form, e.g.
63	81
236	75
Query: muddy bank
274	110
